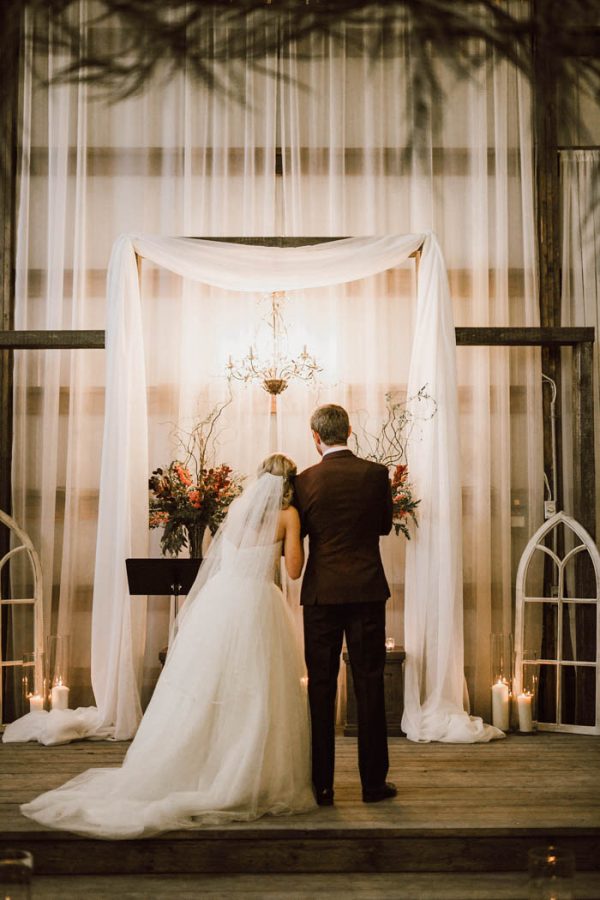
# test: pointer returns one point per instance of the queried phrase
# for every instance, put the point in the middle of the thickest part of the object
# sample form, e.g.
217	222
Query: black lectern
171	577
161	576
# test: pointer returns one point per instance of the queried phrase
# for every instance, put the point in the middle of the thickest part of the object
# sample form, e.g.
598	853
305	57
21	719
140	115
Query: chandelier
276	370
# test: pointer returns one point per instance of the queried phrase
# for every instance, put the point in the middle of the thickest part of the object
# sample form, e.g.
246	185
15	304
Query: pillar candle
524	709
36	703
500	705
60	696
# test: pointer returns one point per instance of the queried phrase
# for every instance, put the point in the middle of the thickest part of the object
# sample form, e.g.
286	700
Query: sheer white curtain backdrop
182	160
580	183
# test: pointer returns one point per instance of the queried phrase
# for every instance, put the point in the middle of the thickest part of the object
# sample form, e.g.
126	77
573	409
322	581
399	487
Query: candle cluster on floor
501	707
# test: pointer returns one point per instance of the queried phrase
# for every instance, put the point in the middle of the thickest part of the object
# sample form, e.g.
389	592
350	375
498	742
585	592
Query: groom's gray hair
331	423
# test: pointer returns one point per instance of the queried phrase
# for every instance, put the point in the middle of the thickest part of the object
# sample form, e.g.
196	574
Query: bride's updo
280	464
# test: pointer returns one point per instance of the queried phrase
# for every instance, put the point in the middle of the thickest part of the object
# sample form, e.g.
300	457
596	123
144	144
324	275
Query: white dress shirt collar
334	449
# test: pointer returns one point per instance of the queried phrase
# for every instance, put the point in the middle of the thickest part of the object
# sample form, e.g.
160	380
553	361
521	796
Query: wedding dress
226	734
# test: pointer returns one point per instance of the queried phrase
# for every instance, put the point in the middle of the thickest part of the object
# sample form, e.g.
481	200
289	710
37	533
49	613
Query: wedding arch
434	677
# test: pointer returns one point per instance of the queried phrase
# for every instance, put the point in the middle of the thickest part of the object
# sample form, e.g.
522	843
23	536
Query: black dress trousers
364	627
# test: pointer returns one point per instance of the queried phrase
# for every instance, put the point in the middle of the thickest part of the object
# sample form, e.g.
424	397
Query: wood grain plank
374	886
465	337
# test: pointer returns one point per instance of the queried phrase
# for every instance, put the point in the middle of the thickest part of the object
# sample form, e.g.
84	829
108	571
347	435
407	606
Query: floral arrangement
404	504
189	495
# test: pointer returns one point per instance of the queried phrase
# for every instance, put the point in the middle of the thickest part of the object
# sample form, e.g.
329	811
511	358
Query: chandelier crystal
276	370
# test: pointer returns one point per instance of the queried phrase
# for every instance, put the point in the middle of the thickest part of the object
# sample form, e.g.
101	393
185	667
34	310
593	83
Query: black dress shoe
324	796
374	795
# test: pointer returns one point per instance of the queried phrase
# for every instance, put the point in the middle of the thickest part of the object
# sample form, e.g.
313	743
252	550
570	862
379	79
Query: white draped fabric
324	145
433	607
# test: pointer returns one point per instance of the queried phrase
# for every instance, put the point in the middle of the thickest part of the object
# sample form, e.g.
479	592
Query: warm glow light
277	369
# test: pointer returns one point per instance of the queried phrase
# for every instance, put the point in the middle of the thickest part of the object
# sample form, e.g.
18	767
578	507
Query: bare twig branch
388	444
124	44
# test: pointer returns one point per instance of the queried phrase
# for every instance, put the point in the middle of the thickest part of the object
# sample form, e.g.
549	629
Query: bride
226	734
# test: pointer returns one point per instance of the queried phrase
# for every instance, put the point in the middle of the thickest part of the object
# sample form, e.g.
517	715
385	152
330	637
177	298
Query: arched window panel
578	574
579	628
540	621
542	572
21	622
578	689
558	628
545	709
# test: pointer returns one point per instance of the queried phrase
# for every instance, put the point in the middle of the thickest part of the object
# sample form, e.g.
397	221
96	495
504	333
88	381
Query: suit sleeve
387	508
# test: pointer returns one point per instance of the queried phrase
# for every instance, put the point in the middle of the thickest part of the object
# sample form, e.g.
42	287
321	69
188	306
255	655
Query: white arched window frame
522	599
23	544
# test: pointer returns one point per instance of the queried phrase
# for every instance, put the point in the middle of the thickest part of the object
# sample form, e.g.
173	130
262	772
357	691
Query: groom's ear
349	430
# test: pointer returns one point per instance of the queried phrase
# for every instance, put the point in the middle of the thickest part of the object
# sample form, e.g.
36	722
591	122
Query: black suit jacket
345	504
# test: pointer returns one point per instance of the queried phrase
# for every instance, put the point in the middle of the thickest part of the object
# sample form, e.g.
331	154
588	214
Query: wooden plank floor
395	886
460	808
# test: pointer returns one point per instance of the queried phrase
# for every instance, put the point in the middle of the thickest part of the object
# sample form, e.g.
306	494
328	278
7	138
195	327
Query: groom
345	504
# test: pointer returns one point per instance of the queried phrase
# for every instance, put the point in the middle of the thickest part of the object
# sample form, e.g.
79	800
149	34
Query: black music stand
169	577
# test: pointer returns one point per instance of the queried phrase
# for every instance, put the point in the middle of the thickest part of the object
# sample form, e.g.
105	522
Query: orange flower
195	498
158	518
400	475
183	475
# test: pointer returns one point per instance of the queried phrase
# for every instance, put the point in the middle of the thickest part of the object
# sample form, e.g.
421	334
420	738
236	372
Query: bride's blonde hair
280	464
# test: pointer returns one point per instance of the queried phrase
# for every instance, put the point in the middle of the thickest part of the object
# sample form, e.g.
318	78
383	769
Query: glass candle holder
33	681
501	661
551	874
16	870
57	670
14	703
390	643
526	700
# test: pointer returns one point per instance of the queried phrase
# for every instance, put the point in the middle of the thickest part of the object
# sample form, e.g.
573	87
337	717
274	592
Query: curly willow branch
388	445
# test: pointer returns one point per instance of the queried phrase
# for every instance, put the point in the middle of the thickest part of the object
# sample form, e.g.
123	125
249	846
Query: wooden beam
547	186
272	241
389	161
584	510
465	337
52	340
584	480
8	181
522	337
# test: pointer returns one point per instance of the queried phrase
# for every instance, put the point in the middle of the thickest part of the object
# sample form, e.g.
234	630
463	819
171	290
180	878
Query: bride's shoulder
289	522
289	515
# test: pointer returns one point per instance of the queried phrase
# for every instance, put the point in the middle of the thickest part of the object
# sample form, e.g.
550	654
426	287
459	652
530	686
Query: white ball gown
226	734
